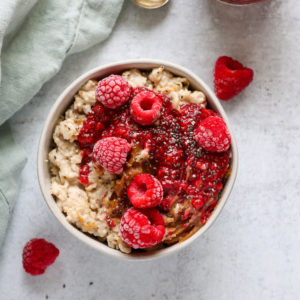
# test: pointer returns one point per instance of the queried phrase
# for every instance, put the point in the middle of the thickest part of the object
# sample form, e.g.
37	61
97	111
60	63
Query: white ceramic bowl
59	107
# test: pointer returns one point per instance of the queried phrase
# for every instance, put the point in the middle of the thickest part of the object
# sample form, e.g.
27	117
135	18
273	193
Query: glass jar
150	3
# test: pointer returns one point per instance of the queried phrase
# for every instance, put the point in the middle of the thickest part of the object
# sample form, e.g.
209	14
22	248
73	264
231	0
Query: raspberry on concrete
230	77
38	254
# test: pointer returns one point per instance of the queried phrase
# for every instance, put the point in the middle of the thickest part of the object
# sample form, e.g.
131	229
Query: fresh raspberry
142	228
113	91
111	153
230	77
38	254
212	135
145	108
145	191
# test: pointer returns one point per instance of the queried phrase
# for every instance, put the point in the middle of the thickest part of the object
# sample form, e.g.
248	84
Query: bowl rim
65	99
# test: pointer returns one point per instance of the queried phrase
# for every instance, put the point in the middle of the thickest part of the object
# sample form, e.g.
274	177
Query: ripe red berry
111	153
145	191
142	228
145	107
113	91
212	135
38	254
230	77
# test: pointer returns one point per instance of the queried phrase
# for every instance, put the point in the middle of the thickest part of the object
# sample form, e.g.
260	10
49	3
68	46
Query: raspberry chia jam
139	160
240	2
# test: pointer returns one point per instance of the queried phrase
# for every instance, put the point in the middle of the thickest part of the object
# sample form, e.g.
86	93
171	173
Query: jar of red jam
240	2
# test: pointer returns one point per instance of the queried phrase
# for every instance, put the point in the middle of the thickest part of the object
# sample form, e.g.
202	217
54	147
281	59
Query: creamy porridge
94	199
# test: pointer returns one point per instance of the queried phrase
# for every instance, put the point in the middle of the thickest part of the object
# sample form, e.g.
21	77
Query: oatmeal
143	123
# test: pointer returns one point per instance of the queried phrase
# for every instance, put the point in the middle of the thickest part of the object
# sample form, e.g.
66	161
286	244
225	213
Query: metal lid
150	4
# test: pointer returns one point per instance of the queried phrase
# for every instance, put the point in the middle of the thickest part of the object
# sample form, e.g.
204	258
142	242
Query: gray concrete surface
252	251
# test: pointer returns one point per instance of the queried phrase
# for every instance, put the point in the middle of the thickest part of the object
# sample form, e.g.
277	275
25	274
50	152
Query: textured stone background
252	251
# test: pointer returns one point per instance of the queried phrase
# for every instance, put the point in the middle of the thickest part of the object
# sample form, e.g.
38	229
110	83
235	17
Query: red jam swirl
185	170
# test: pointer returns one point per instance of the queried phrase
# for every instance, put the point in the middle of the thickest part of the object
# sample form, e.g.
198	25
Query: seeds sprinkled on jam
191	177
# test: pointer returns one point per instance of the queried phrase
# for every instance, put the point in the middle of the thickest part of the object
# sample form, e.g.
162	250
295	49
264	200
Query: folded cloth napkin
35	38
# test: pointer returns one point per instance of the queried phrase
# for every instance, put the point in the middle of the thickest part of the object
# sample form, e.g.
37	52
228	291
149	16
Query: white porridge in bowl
156	119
